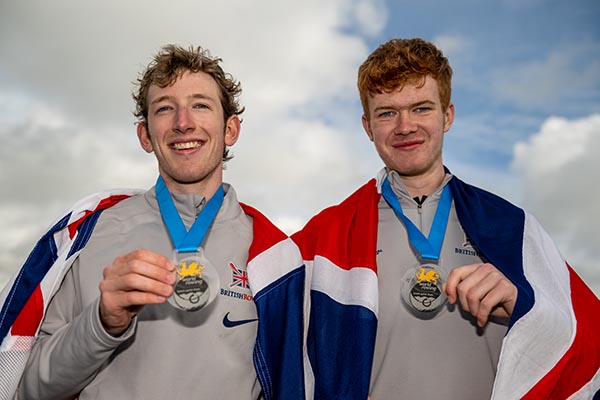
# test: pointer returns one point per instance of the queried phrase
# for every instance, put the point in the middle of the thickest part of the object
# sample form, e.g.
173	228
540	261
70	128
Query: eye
201	106
385	114
162	109
420	110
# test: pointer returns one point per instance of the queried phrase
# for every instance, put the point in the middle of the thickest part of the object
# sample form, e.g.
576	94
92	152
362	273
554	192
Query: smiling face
407	127
187	132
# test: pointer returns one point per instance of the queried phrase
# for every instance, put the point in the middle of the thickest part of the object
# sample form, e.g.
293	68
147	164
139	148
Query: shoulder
260	222
356	212
364	196
465	191
475	204
135	204
105	208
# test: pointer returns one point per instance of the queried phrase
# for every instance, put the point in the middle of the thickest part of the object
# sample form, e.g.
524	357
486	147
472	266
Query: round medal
197	281
422	290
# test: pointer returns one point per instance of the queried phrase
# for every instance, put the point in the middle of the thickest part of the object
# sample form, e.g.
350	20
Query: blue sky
526	90
516	64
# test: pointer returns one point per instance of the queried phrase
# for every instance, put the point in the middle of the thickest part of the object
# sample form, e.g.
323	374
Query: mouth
409	145
186	145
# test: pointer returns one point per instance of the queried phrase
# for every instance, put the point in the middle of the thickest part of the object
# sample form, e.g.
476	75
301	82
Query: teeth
187	145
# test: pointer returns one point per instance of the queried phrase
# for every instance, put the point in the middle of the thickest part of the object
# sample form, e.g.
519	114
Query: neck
206	188
425	184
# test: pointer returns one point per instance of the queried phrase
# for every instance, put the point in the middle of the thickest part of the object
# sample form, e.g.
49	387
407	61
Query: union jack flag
239	277
552	348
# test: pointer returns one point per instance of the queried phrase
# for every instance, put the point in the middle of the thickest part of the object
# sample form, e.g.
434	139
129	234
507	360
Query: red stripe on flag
581	362
30	316
270	235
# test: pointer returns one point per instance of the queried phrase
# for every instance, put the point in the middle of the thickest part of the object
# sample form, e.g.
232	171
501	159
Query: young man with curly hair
179	291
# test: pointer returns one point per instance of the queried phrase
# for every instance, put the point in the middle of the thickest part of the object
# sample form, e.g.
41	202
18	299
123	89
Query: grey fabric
446	357
166	353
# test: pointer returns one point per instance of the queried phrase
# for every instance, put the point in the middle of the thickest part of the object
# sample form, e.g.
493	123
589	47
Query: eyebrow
413	105
194	96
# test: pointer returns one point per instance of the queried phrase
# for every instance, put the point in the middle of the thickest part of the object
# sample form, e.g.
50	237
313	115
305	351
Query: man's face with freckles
187	132
408	126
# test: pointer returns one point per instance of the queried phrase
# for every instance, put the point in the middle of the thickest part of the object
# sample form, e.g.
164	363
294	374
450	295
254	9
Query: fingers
141	270
454	278
133	280
482	290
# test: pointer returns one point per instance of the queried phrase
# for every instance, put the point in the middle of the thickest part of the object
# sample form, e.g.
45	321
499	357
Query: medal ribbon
184	240
429	247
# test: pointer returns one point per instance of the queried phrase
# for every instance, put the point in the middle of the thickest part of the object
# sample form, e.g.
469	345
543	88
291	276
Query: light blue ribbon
431	246
183	240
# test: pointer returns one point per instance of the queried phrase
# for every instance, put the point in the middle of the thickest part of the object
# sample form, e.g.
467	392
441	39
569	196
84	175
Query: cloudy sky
526	90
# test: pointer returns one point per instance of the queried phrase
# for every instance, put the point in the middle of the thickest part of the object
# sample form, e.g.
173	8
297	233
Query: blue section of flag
36	266
279	344
340	338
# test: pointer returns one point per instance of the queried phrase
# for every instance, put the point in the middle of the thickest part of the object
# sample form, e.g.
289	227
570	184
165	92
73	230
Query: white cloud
370	16
453	46
46	158
284	51
559	143
558	168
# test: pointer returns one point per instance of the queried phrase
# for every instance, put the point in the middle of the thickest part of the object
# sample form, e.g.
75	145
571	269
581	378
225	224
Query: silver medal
422	290
197	281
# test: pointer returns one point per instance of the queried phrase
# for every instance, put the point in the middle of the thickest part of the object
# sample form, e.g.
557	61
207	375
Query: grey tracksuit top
447	357
166	353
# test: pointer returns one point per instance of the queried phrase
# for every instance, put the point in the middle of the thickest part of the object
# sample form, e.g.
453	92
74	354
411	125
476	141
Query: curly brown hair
399	61
170	63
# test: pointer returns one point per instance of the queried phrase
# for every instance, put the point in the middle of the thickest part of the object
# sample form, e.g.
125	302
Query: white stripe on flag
358	286
539	339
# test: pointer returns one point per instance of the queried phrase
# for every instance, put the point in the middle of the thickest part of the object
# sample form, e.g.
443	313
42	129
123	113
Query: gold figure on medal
196	284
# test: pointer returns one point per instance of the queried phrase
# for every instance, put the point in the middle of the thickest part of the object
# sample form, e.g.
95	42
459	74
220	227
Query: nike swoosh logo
232	324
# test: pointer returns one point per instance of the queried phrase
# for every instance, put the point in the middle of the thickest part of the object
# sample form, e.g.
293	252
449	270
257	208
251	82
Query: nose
405	124
183	121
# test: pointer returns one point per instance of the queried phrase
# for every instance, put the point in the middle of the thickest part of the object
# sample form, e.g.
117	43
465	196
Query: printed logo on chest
239	281
467	248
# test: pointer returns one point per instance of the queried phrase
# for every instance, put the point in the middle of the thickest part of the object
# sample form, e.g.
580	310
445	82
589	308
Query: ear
366	127
232	130
448	117
144	137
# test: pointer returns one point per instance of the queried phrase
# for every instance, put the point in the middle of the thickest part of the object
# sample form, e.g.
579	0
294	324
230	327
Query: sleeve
71	348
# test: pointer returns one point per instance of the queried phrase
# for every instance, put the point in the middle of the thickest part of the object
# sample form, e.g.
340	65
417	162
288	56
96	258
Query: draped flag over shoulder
552	348
25	298
281	293
275	271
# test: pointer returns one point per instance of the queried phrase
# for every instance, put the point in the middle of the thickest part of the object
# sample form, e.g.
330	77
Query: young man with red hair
426	287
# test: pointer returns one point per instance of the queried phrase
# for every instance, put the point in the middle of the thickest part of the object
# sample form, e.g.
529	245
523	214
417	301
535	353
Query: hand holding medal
483	291
133	280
